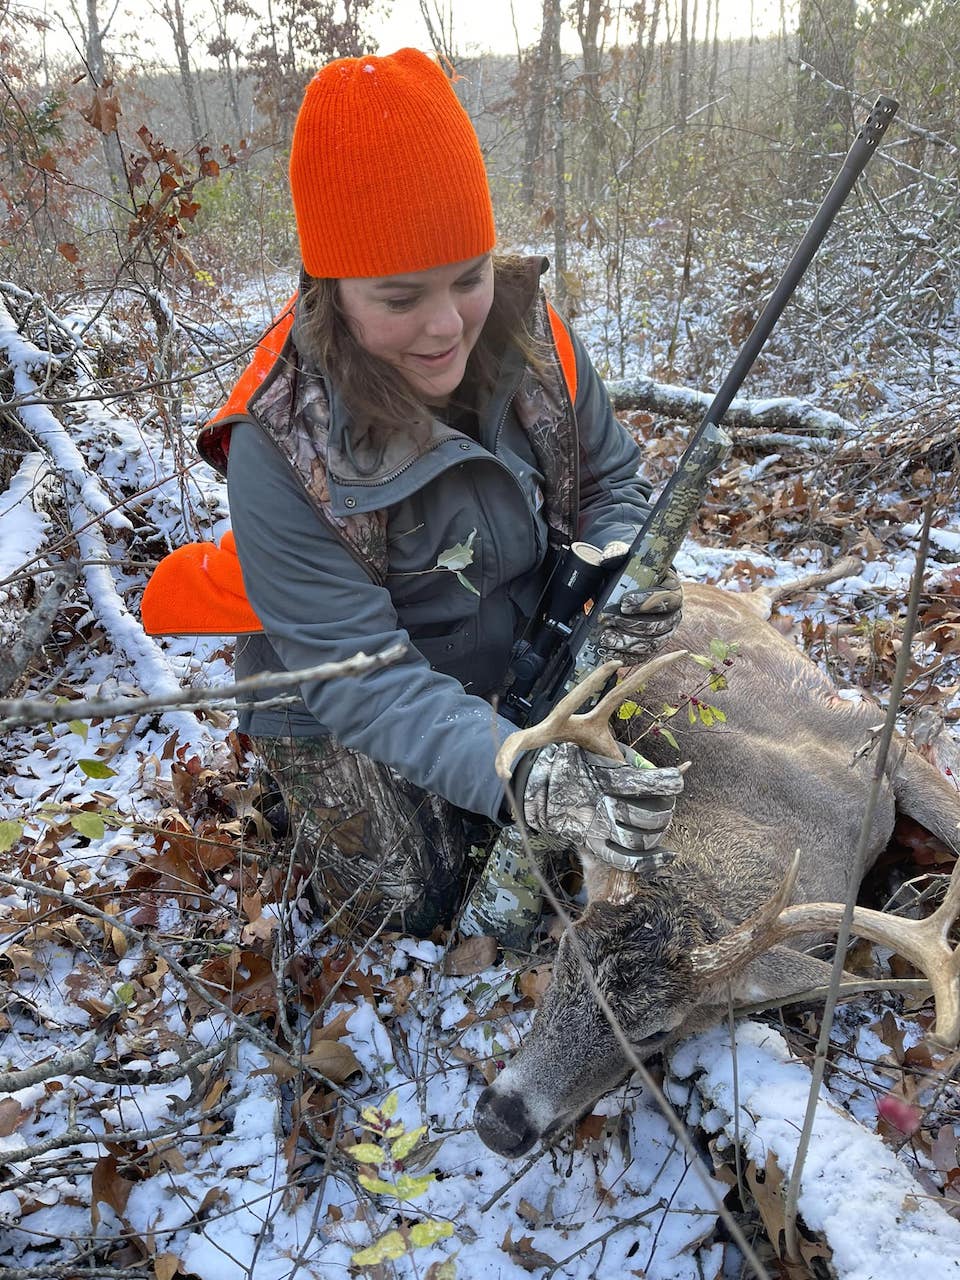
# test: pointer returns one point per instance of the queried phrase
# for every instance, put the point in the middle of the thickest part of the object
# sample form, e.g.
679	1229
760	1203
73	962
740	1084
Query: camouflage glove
616	810
633	628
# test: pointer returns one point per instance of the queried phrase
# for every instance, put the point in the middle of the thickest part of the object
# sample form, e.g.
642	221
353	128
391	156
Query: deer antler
925	943
590	730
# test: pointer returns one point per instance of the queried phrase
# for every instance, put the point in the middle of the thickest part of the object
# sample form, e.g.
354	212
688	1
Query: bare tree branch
27	711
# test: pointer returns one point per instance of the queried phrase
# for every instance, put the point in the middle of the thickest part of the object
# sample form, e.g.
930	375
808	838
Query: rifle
559	648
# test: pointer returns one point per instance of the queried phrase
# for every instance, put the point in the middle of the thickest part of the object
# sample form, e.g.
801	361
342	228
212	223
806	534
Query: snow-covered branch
784	413
25	711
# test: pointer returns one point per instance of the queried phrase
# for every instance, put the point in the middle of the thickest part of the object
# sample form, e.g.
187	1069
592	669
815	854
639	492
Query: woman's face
424	323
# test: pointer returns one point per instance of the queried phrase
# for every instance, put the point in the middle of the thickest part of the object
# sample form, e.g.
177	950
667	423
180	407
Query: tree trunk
683	105
590	14
559	161
533	140
172	14
96	71
826	43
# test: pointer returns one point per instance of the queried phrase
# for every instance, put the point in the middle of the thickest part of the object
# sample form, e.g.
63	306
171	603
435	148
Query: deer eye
653	1041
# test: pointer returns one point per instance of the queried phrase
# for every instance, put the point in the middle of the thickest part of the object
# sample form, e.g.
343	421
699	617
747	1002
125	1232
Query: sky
476	25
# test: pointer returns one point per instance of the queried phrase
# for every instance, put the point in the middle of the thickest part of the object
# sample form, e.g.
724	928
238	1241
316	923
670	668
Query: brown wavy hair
375	393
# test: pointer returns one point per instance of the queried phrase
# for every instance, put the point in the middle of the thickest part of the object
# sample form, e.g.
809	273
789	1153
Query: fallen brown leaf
472	956
11	1114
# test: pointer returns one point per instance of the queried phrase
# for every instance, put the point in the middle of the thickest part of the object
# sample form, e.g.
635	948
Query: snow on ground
216	1156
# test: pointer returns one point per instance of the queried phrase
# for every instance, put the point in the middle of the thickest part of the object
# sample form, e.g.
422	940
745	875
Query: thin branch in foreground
27	711
791	1245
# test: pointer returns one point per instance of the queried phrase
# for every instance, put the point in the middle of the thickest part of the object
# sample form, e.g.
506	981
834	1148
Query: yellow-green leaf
408	1187
366	1153
10	833
405	1144
395	1130
97	769
90	825
627	710
429	1232
126	993
377	1185
386	1249
79	727
389	1105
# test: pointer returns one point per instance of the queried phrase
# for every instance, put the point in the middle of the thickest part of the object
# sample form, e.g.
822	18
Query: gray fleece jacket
427	716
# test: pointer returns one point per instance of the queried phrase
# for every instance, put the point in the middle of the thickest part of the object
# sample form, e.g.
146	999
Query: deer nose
502	1123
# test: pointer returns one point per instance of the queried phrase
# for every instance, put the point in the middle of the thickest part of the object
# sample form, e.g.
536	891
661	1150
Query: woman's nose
444	317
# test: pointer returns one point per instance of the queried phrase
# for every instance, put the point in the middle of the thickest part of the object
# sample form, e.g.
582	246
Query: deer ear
775	974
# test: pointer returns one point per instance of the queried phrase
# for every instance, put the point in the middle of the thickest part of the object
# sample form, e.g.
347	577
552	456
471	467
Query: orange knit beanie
386	171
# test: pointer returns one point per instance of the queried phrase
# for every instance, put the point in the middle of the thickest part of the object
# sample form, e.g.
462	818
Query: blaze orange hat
386	171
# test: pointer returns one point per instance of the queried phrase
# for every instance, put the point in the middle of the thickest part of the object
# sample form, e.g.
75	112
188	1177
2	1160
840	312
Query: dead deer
764	839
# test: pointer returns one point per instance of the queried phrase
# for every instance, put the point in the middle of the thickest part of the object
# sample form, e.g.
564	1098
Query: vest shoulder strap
564	344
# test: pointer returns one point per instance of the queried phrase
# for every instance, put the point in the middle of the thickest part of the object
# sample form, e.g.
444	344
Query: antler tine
591	730
715	961
925	943
633	682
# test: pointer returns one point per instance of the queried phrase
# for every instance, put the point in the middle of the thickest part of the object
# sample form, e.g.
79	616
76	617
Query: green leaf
389	1105
10	833
691	713
405	1144
79	727
665	733
429	1232
627	710
706	715
465	582
459	555
90	825
409	1187
96	769
377	1185
669	711
701	661
126	993
717	683
387	1249
366	1153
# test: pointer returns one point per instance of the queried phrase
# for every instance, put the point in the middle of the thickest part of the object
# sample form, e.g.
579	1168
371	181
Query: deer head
651	957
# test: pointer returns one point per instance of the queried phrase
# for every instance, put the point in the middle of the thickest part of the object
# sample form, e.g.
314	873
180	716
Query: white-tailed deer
788	772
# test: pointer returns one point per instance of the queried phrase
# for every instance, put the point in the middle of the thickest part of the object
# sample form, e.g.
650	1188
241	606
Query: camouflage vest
293	408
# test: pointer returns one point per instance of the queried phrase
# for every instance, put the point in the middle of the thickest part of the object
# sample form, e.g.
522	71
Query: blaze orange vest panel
209	576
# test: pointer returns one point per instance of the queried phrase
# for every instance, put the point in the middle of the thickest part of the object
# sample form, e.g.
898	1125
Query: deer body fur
790	770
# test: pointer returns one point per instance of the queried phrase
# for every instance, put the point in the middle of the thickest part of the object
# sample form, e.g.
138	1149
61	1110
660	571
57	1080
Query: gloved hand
636	626
616	810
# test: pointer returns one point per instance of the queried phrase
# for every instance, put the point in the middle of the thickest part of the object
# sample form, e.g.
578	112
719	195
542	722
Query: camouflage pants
381	850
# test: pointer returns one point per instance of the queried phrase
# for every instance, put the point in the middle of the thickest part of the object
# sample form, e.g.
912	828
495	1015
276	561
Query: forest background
667	156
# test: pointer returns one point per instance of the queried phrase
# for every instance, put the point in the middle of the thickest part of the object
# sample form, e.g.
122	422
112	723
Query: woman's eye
399	304
471	282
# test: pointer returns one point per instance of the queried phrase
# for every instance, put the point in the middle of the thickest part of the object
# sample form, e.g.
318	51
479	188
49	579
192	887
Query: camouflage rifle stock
506	901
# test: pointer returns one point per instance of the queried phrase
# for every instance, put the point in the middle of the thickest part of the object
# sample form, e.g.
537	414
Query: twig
75	1063
26	711
617	1226
843	933
77	1136
246	1028
512	1181
34	629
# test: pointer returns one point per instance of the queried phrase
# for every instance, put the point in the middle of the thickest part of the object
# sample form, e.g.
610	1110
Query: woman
425	406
